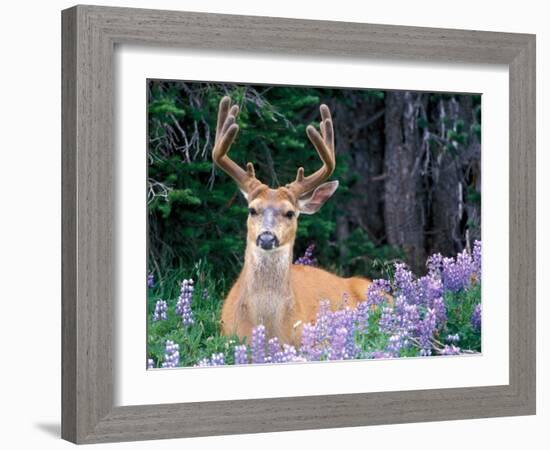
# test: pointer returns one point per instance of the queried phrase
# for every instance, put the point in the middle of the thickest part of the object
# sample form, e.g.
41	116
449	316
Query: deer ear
311	203
245	195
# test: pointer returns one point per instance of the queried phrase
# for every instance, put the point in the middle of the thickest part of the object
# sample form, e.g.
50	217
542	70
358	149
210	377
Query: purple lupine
452	338
435	264
171	355
204	362
258	345
217	359
282	354
386	321
273	350
475	320
345	318
402	317
407	325
323	327
349	320
150	280
288	354
476	260
150	363
377	292
405	284
457	274
161	309
429	288
307	259
426	330
450	350
309	348
417	312
183	306
362	314
395	344
337	348
241	354
440	309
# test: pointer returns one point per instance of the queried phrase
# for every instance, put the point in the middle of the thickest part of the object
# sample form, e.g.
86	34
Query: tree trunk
360	138
450	210
447	188
404	214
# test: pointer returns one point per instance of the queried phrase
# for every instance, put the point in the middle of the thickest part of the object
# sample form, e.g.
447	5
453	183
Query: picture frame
89	37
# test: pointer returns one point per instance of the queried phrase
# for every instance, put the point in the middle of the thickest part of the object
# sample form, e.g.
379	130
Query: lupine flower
381	355
457	275
150	363
171	355
453	338
290	354
273	350
161	309
438	306
183	306
258	345
323	327
307	259
401	319
241	354
377	292
362	314
405	284
476	318
429	288
450	350
217	359
476	260
426	331
287	354
435	264
308	347
150	280
416	318
338	344
394	345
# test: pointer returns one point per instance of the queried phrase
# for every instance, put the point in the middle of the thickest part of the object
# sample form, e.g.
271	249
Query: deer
270	290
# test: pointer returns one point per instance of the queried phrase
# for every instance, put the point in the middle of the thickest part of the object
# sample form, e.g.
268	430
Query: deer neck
267	282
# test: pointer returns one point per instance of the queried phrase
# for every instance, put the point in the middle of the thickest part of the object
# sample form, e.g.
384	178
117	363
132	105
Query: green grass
201	339
460	307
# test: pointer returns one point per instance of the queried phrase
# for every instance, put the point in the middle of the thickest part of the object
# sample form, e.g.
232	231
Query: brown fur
273	291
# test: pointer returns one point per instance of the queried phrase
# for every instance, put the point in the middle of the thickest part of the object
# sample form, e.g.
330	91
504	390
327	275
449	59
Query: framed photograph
268	230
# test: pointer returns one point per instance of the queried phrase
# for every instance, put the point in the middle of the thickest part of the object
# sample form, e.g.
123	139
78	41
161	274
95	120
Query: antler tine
324	144
226	132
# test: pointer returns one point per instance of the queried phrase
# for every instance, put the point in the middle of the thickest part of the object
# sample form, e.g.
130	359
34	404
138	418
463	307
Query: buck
270	289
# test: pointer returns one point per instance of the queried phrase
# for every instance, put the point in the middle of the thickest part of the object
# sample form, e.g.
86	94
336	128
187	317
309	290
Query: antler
226	131
324	144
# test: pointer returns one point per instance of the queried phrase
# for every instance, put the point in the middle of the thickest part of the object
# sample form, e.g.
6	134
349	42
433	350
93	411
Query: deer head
273	213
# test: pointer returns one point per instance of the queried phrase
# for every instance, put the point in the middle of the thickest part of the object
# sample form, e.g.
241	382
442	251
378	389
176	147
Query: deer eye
289	214
252	211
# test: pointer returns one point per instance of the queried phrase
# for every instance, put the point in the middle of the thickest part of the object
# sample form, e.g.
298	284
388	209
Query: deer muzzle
267	241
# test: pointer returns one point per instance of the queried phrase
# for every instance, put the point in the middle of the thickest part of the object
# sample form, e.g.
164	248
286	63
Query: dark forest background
408	165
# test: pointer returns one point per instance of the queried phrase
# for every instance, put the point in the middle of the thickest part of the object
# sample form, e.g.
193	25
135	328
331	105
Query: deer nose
267	241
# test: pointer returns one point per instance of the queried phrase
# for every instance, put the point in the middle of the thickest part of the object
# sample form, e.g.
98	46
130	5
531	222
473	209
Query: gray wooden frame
89	36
